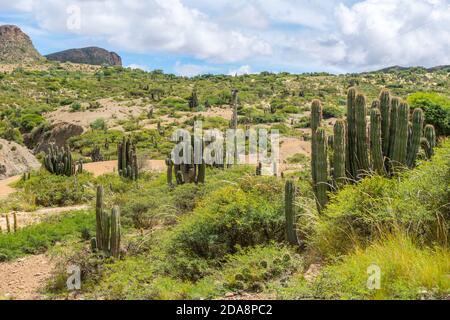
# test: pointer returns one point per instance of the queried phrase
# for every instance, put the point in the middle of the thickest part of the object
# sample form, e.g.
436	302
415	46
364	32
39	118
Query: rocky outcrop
15	159
16	46
90	55
57	134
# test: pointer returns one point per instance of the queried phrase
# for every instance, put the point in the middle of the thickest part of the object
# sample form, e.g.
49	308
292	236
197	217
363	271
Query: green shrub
227	218
39	237
407	272
50	190
436	108
361	213
99	124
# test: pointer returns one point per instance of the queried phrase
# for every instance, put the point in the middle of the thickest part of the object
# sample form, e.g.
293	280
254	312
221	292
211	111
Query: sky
191	37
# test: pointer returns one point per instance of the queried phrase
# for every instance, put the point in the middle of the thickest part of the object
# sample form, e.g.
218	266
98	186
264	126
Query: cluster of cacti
59	161
389	144
108	229
127	160
26	176
96	154
8	223
185	173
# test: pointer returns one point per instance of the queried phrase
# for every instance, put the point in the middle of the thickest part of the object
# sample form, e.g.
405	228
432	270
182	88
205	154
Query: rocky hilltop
16	46
90	55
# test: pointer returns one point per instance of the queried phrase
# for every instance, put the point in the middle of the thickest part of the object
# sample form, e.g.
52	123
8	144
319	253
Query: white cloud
190	70
246	69
149	26
293	35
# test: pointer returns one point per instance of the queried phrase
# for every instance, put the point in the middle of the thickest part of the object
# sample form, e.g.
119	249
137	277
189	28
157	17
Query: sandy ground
110	110
99	168
22	279
5	189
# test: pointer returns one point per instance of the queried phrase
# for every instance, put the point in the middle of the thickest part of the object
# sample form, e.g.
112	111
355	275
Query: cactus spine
376	149
320	167
339	145
361	136
401	136
416	135
289	210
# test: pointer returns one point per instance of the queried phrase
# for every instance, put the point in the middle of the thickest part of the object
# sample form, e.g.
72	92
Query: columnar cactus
320	167
376	150
351	161
416	136
15	223
234	101
108	229
59	161
395	102
362	149
289	210
385	110
115	233
127	160
8	225
169	164
316	115
316	120
430	135
401	136
339	145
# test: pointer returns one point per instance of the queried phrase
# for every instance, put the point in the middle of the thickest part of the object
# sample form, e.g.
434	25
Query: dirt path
27	218
23	278
5	189
96	168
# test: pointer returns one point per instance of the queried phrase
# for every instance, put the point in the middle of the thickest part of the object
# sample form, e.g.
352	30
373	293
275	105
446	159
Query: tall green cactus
316	120
316	115
395	102
127	160
290	214
376	150
416	136
362	150
385	110
430	135
169	164
401	136
108	229
351	161
339	155
320	168
115	233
